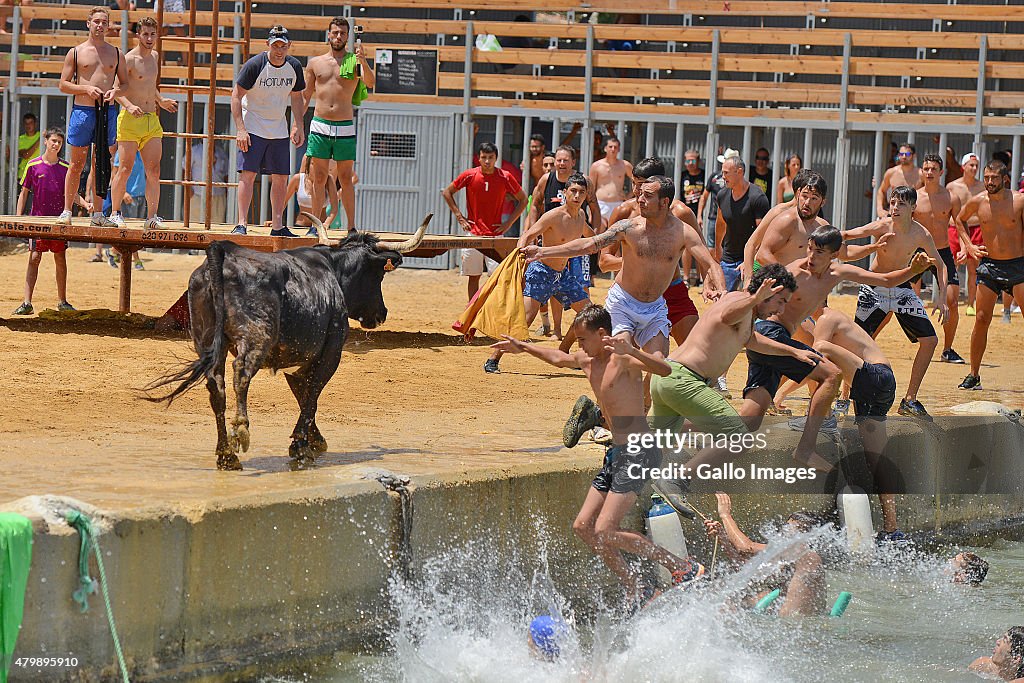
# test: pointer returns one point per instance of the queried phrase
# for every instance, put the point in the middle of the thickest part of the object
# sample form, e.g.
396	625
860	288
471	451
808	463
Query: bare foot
814	460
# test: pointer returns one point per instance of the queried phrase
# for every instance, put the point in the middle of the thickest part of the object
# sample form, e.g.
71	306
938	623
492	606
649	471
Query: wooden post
124	298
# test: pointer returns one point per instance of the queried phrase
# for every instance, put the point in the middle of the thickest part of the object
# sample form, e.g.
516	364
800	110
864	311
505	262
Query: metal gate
404	160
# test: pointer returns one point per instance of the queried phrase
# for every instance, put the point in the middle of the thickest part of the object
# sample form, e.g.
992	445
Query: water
465	615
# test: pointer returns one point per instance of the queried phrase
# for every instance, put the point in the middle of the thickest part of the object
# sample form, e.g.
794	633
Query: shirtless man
614	368
682	313
552	276
538	151
651	247
873	391
89	72
1000	213
725	328
935	206
963	188
876	304
903	173
337	85
609	177
138	124
816	275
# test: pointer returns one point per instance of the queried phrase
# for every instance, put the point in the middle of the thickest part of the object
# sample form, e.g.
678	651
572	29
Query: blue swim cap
545	631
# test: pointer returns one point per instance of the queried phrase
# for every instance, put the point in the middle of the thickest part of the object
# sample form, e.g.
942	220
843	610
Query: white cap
730	153
967	157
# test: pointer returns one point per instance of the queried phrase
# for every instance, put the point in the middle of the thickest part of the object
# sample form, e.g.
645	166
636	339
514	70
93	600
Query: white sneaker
116	220
723	389
99	220
154	223
600	435
64	218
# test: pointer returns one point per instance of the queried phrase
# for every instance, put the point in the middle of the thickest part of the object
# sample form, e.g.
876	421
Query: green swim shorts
331	140
686	395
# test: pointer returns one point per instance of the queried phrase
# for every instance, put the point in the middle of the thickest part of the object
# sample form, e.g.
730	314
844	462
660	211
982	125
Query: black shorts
767	371
1001	276
873	391
875	303
618	477
947	257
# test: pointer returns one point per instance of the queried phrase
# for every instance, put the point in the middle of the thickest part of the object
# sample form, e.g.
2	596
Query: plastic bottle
855	517
665	530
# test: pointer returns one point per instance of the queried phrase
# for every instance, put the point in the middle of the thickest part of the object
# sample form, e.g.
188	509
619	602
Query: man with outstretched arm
651	247
876	304
615	369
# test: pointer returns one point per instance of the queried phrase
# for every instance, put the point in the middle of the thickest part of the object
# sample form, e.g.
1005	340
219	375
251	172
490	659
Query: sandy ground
410	397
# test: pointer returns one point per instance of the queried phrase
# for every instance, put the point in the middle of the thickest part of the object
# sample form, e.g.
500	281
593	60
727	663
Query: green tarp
15	558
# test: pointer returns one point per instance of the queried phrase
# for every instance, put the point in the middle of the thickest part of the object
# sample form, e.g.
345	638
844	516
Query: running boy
44	178
615	369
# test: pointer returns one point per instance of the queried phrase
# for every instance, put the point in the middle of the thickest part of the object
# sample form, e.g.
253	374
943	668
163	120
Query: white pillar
777	169
649	146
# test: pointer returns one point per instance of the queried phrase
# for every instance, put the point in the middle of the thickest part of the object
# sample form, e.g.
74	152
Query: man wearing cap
963	188
266	84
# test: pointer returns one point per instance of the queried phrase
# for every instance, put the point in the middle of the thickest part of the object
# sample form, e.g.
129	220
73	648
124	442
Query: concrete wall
260	584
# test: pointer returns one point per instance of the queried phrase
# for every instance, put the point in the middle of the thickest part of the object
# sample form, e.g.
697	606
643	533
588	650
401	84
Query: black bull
281	310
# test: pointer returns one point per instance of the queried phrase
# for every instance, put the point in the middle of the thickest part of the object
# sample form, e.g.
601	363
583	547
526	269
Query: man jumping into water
615	369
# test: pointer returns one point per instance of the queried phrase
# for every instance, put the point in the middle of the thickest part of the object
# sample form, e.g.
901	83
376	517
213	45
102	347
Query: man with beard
903	173
337	85
876	303
538	151
1000	213
935	206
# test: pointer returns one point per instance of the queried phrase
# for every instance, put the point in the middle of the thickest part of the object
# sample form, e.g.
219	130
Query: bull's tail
204	366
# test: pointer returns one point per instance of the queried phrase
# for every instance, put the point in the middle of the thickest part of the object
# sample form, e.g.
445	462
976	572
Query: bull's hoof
302	464
318	443
228	462
302	454
239	438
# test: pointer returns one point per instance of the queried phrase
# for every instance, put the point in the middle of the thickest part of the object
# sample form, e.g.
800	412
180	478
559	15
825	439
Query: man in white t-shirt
266	84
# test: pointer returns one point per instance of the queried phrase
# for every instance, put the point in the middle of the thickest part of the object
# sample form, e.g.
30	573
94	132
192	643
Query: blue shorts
542	283
733	278
579	267
269	157
82	125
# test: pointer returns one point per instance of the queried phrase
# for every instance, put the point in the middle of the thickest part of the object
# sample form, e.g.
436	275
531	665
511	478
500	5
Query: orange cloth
498	308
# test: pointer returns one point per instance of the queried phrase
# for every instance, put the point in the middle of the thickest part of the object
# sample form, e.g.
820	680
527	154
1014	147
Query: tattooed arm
578	247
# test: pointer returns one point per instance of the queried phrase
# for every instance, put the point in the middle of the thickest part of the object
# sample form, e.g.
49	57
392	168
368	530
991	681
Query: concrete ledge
265	582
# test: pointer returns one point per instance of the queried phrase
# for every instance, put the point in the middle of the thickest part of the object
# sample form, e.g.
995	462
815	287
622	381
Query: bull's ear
389	266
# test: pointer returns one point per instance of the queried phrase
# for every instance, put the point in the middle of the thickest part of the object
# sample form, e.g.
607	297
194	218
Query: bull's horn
409	244
321	234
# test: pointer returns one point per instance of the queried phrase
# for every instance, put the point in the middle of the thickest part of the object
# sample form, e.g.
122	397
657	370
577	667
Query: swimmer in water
968	568
1007	659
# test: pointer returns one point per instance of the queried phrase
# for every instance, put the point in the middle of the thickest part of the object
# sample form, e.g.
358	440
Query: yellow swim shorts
139	129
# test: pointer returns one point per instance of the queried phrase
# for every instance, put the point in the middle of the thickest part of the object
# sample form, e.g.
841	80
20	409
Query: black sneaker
951	356
491	366
239	230
673	492
911	407
584	417
971	382
283	232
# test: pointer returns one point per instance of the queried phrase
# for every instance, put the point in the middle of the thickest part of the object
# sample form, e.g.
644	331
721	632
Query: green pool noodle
842	602
767	600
